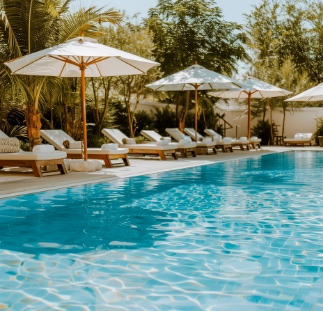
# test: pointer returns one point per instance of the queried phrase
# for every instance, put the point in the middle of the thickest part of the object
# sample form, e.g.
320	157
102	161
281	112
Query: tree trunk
183	113
33	121
130	121
271	122
283	126
181	121
68	120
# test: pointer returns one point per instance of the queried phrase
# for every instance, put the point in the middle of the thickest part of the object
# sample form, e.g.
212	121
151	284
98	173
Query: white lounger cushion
155	137
25	155
206	144
116	136
164	142
43	149
99	151
57	137
109	147
305	136
255	139
150	147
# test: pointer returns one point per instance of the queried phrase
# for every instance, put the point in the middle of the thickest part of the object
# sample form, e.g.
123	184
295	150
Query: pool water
244	234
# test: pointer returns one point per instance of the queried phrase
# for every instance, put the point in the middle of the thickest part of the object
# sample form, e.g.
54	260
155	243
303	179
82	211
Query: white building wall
301	121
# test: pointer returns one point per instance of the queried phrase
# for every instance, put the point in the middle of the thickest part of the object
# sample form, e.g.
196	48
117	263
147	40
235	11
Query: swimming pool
245	234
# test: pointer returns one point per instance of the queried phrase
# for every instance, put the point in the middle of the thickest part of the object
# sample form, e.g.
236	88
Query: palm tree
27	26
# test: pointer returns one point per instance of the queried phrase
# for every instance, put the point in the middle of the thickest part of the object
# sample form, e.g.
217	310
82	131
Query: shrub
262	130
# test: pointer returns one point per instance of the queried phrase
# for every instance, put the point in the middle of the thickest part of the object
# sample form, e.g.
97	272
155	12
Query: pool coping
12	185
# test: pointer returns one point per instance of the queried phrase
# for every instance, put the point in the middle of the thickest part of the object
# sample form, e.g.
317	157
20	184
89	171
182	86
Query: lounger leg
126	161
107	162
61	167
183	153
174	155
161	154
193	153
214	150
36	168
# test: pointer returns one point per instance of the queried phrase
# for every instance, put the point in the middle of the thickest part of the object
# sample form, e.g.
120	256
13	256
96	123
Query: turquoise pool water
240	235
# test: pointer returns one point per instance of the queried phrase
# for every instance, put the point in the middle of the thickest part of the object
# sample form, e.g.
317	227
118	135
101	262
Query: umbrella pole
196	109
249	114
83	109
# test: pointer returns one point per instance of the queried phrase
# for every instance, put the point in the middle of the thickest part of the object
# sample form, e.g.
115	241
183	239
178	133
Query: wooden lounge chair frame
116	136
243	145
154	137
94	154
34	161
36	165
105	157
201	148
219	144
299	141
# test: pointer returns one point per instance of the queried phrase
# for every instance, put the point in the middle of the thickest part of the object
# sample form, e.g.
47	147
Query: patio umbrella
310	95
80	57
252	88
196	78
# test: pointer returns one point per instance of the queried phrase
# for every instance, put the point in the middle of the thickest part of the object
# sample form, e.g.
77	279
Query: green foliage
27	26
163	118
118	115
137	40
288	29
95	141
207	116
19	131
13	122
143	121
262	130
189	31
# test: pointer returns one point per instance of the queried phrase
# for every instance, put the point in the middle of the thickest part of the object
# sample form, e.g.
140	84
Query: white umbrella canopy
195	78
252	88
313	94
80	57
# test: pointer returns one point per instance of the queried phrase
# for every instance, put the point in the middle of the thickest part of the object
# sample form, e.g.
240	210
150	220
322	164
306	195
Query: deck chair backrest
56	138
191	132
213	133
151	135
305	136
175	133
114	135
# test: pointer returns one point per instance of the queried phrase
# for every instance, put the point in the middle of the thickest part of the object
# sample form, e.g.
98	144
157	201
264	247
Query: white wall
301	121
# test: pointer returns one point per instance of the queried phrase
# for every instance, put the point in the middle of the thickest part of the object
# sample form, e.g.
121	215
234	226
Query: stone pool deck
16	181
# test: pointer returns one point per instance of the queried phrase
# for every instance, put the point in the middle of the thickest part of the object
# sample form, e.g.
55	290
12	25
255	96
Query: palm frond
12	41
19	131
87	21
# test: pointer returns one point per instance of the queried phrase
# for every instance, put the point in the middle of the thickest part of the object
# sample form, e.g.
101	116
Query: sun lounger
299	139
204	144
180	137
57	138
161	149
225	145
242	143
184	149
255	142
36	161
